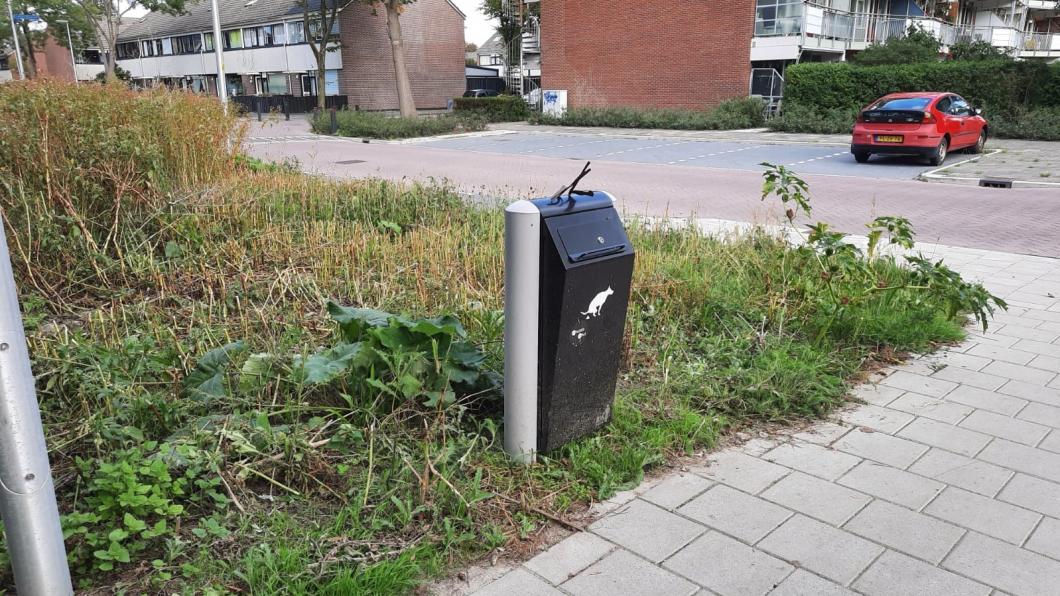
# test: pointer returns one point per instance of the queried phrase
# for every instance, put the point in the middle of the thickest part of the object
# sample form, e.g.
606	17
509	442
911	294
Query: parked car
927	124
481	93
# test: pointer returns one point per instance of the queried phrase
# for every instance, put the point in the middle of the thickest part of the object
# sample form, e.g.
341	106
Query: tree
511	16
917	45
318	25
977	50
394	8
470	47
106	16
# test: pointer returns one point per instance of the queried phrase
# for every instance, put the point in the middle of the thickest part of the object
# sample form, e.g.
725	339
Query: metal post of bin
522	267
27	492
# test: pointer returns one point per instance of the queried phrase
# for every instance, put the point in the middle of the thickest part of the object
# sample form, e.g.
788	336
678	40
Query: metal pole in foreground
222	86
522	267
27	494
14	36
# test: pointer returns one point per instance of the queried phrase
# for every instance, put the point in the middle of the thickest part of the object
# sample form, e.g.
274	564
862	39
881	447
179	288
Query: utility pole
222	87
14	35
27	492
70	43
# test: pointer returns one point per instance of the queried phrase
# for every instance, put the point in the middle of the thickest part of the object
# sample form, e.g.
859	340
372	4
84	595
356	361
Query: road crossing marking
805	161
712	155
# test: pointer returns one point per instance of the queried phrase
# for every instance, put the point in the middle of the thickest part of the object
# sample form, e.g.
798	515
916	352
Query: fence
287	104
768	84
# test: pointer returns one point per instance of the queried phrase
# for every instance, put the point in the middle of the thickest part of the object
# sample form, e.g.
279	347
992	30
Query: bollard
334	121
286	108
522	267
258	103
27	492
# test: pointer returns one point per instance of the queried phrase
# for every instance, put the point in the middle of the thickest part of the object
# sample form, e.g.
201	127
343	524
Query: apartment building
265	52
694	55
55	61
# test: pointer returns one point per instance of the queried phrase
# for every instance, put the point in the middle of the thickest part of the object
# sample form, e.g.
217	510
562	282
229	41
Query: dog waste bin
568	271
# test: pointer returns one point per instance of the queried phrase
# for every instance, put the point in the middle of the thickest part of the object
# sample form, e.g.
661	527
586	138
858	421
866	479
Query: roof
198	17
493	45
910	94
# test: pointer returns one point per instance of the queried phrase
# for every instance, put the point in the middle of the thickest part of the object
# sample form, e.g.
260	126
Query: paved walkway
947	481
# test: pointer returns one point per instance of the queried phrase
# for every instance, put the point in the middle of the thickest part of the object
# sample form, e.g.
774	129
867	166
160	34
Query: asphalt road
1025	221
804	158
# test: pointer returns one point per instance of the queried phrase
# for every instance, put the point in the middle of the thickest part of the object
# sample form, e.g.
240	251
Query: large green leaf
354	321
324	367
206	380
256	372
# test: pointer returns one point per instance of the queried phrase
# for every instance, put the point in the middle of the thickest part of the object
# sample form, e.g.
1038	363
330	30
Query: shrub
376	125
730	114
1040	123
1047	93
979	49
917	45
998	86
798	118
505	108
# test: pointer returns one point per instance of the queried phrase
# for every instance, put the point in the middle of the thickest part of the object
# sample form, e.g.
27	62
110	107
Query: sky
477	28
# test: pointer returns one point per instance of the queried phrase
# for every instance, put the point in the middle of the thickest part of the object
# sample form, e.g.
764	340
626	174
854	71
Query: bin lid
566	205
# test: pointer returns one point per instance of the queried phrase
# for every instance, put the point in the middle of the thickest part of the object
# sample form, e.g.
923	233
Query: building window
250	38
314	29
167	46
128	50
187	44
207	41
233	40
148	48
295	32
274	83
778	17
309	84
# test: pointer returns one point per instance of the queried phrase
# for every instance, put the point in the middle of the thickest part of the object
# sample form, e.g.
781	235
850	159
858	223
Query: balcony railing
862	28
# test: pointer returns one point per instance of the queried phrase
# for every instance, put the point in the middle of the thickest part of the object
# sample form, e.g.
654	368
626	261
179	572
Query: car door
968	132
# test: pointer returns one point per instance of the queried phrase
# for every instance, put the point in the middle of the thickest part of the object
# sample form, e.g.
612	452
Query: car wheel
862	157
940	153
980	144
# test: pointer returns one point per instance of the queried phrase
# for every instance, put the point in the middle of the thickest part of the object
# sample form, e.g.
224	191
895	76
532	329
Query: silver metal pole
222	87
522	266
70	42
27	493
14	36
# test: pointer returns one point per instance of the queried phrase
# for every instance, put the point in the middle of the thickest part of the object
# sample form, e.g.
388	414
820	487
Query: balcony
820	29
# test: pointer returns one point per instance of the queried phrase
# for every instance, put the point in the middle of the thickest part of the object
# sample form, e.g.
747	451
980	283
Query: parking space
808	158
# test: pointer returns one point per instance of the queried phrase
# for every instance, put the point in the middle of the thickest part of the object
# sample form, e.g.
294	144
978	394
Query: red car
927	124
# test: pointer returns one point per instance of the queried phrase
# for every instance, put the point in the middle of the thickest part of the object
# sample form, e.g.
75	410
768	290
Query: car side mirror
978	111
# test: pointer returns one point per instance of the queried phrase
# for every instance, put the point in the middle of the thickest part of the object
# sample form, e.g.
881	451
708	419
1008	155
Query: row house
266	52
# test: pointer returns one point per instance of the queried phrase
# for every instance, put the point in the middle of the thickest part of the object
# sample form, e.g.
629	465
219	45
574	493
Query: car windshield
903	103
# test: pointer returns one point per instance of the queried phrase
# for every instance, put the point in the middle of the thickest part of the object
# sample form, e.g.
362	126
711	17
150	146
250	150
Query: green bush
997	86
798	118
915	46
730	114
376	125
1042	124
1047	93
505	108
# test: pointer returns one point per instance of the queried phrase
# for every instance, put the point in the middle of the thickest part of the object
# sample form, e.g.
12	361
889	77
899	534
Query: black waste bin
583	288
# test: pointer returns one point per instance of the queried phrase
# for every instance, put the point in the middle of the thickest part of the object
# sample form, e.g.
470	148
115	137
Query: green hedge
731	114
377	125
997	86
503	108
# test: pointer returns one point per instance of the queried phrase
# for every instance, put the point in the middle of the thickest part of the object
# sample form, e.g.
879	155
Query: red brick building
670	54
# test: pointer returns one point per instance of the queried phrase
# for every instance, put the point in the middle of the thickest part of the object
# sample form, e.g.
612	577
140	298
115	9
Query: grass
260	484
731	114
375	125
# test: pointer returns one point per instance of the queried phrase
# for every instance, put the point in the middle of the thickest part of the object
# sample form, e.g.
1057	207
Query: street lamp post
14	36
70	43
222	88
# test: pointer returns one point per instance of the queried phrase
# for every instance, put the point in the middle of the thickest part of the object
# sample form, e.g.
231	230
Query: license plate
889	138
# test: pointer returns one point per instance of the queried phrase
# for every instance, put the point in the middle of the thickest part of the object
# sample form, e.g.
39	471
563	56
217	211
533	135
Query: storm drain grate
995	182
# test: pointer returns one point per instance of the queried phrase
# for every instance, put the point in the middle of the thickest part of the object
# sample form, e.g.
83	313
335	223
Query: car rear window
905	103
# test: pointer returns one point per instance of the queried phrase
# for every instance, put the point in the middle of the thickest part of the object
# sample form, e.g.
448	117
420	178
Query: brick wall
669	53
433	32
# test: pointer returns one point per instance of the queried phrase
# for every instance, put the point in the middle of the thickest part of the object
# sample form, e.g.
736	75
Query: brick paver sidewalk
946	482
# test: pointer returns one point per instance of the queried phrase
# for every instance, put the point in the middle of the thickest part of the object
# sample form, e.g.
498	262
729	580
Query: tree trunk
404	89
27	51
322	101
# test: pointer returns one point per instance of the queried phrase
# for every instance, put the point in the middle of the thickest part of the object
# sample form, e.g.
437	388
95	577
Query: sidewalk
946	481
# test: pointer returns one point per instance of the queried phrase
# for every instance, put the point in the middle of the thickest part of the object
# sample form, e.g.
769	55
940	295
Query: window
277	83
148	48
960	107
187	44
233	40
314	28
167	46
127	50
207	41
296	32
279	34
944	105
916	104
250	38
778	17
309	84
331	82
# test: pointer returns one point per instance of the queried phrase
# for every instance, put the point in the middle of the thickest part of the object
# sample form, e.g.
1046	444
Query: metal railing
816	21
768	84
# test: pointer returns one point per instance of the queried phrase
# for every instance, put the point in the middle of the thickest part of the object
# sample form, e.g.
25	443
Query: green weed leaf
206	380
